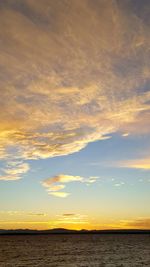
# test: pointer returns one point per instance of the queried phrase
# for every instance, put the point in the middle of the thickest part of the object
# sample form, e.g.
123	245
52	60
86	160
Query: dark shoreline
70	232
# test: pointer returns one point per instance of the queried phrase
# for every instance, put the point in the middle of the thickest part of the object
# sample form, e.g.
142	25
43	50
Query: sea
79	250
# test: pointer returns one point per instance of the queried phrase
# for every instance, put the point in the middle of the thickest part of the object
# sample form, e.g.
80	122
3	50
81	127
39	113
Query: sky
74	114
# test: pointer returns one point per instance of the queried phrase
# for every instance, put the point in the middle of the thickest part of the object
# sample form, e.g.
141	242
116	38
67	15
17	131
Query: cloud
140	125
56	183
92	179
67	80
125	134
119	184
54	188
68	214
20	213
135	223
61	178
59	194
36	214
139	223
136	164
14	171
72	219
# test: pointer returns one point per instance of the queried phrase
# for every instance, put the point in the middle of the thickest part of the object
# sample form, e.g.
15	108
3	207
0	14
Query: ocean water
75	250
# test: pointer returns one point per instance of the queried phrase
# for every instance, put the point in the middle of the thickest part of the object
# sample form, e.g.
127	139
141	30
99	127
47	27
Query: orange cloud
56	183
61	178
53	187
140	223
14	170
136	164
72	219
70	80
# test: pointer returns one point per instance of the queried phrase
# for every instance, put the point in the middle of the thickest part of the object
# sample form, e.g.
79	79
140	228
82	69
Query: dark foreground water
75	250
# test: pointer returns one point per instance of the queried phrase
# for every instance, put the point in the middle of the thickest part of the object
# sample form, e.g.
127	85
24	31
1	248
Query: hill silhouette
68	231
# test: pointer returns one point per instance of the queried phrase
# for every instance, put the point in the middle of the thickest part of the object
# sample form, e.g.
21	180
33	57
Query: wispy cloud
61	178
55	184
91	179
70	80
59	194
20	213
119	184
139	223
68	214
36	214
134	223
125	134
143	163
72	219
54	188
14	171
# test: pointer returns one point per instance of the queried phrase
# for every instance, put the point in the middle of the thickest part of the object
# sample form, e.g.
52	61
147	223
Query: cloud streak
20	213
141	163
139	223
72	219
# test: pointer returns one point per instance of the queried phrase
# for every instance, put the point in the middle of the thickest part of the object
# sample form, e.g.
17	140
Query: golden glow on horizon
68	221
143	223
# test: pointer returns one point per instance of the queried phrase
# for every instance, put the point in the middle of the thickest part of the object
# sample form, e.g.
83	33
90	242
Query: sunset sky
74	114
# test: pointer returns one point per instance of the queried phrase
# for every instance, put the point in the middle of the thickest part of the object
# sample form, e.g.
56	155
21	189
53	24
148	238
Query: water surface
75	250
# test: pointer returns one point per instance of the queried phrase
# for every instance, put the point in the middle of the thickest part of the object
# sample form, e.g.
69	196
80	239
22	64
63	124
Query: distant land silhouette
67	231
